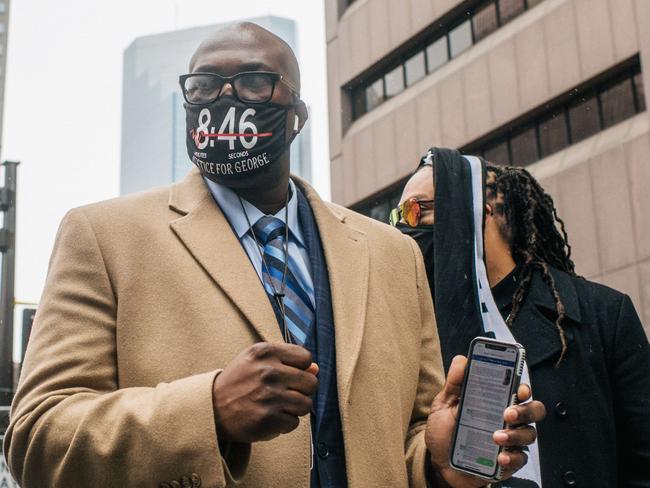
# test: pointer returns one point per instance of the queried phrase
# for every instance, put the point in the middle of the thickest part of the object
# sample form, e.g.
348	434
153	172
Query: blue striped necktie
299	312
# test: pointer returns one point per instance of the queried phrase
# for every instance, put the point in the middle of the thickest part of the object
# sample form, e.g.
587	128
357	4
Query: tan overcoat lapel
206	234
208	237
347	258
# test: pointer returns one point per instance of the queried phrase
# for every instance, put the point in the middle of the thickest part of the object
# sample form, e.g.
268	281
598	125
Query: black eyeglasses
248	86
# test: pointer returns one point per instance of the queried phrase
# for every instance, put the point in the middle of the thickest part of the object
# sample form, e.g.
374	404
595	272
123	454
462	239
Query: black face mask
423	235
229	140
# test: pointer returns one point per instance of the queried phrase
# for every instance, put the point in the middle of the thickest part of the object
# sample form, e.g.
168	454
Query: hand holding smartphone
490	386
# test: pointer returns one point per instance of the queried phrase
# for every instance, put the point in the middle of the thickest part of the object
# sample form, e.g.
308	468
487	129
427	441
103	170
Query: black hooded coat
597	429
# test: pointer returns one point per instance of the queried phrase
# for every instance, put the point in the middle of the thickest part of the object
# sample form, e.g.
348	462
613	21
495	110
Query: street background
63	102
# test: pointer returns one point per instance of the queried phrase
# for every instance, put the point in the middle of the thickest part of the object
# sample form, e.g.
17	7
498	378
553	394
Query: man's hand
442	421
263	391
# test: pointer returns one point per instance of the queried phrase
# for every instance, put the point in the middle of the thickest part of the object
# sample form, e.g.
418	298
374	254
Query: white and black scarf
465	307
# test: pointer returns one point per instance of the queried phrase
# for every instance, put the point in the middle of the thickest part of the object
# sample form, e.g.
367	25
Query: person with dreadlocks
587	354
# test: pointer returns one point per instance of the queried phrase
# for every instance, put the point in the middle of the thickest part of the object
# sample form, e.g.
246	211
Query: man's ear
489	211
300	110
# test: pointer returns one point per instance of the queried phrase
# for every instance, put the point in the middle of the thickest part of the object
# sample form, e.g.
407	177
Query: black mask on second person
423	235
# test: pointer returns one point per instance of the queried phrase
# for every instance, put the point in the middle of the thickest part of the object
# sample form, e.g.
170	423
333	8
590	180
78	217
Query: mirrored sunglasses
409	211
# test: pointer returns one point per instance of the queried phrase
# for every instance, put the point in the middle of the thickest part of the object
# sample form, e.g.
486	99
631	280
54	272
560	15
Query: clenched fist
263	391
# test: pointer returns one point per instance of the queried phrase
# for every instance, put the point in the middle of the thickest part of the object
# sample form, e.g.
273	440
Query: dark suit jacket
329	451
597	429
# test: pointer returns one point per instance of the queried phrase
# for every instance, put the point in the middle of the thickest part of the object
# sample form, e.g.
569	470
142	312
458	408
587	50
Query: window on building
437	54
358	102
3	7
396	195
617	102
553	134
380	211
374	94
380	206
394	81
640	92
415	68
435	49
509	9
460	38
523	147
584	119
485	21
572	117
498	153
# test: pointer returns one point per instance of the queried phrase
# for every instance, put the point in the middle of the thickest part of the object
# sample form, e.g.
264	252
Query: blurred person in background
586	350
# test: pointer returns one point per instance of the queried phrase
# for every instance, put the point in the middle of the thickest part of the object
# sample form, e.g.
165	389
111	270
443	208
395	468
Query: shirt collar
539	292
228	201
505	289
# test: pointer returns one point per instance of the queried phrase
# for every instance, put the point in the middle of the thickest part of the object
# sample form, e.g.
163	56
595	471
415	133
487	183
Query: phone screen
488	389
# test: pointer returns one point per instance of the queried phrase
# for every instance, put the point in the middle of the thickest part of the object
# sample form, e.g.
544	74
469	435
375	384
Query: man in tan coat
234	327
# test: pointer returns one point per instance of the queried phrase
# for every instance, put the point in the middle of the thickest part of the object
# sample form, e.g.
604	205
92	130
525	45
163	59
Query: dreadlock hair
531	231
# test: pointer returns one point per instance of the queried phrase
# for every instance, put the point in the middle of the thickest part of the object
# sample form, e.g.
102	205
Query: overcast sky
62	110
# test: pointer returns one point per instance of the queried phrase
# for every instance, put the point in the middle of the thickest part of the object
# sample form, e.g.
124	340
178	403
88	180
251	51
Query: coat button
322	451
196	480
561	410
185	481
570	478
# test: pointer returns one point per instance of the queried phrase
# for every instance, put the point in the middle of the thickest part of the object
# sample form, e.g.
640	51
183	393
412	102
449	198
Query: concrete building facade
153	117
556	85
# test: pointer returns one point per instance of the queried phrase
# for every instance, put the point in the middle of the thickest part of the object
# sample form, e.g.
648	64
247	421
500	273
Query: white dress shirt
230	205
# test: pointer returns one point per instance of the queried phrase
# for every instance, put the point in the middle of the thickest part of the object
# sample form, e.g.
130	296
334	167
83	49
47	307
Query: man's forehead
420	185
217	58
244	49
422	178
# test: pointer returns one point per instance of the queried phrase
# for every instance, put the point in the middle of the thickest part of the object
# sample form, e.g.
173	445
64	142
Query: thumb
313	369
451	391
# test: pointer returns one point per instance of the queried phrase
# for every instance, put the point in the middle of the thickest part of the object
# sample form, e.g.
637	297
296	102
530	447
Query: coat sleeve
431	379
630	368
71	424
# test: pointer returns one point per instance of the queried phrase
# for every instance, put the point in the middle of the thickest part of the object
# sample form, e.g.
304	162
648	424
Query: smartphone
490	386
